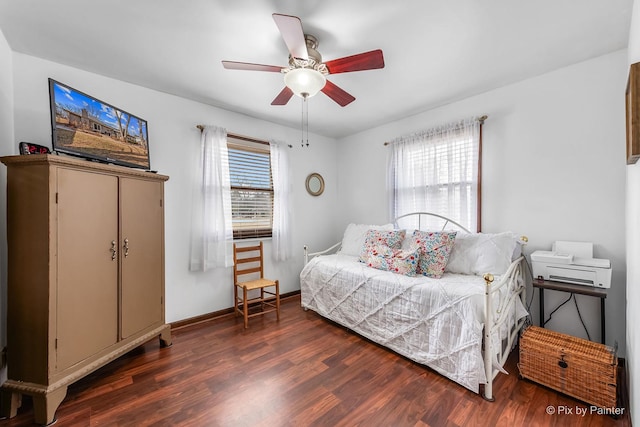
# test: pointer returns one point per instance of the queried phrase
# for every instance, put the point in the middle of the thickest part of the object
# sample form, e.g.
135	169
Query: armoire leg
45	405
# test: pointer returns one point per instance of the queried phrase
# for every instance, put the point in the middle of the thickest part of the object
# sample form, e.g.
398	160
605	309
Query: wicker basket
579	368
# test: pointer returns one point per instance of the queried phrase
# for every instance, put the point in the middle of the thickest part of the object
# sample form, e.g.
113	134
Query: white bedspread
435	322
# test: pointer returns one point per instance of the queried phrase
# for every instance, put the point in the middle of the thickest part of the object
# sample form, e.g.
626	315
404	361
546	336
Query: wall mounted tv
87	127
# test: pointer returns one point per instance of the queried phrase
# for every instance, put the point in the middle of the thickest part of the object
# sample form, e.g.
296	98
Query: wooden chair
248	260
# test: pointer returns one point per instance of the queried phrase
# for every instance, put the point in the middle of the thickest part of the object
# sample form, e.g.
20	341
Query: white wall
174	144
633	249
553	169
6	136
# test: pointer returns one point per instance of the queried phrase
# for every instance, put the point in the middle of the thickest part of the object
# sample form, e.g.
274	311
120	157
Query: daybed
461	325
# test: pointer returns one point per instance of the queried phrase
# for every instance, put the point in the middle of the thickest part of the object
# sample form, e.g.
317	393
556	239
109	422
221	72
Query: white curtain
437	171
211	229
281	231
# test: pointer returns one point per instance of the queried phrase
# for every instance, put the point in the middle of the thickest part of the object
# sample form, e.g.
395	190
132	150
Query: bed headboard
417	220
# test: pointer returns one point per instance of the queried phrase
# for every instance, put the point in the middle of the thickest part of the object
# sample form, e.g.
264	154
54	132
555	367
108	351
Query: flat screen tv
87	127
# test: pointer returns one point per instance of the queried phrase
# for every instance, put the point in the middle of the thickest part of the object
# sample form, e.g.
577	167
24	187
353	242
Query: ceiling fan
305	74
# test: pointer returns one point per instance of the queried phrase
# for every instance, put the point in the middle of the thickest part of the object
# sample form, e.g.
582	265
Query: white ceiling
436	52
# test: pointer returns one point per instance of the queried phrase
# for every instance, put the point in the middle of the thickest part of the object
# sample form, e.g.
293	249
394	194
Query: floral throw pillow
354	236
436	247
377	238
396	261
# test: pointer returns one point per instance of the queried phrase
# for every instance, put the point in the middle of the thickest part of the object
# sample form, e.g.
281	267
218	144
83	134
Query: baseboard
220	314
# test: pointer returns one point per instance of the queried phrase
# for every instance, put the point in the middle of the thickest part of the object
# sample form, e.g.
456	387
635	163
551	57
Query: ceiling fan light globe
304	82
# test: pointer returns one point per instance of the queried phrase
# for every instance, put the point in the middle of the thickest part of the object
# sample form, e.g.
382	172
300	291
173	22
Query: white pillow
355	235
482	253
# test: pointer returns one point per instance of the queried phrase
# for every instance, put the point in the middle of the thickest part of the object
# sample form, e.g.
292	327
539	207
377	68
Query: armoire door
142	256
87	267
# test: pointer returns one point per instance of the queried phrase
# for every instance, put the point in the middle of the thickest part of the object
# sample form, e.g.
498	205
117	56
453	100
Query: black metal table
573	289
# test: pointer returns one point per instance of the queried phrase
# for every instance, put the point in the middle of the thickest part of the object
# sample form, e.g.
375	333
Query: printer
572	262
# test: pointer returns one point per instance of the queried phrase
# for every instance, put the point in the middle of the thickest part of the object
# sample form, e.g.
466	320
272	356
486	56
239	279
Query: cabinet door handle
126	248
114	251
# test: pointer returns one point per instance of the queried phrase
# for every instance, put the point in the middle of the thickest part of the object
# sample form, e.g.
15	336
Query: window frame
250	145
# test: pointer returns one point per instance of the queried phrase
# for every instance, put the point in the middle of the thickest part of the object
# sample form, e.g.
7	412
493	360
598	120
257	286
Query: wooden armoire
85	272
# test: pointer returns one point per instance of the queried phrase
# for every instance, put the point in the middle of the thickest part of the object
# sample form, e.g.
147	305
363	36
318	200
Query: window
437	171
251	187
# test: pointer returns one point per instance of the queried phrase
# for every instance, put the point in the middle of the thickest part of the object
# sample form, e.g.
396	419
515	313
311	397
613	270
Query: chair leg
245	307
235	300
278	300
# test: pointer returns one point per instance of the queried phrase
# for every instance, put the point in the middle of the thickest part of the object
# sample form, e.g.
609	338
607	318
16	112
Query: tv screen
87	127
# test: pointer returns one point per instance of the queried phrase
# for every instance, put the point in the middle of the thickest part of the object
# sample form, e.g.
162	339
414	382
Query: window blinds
251	189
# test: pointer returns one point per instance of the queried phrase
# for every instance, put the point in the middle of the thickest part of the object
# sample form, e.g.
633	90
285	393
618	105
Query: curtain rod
236	136
243	138
481	119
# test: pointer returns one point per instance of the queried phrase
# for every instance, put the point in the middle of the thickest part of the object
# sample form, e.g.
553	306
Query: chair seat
256	284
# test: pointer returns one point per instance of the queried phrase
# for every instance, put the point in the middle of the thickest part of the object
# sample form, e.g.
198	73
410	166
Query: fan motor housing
314	55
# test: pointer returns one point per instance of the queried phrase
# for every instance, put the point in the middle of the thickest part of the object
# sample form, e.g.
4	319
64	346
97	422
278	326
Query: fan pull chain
307	119
304	121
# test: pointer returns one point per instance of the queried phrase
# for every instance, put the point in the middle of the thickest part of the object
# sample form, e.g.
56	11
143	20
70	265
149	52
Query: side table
573	289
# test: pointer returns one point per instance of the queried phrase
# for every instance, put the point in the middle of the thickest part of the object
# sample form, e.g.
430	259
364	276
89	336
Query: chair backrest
247	260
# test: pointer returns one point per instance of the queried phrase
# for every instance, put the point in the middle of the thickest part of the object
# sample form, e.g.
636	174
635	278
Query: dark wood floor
300	371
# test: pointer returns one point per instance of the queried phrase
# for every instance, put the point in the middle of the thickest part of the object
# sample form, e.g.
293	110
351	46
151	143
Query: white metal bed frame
512	281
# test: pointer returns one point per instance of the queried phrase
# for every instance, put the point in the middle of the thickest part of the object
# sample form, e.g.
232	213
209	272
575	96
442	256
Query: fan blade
232	65
283	97
291	29
337	94
360	62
